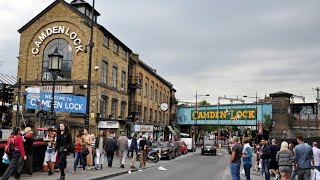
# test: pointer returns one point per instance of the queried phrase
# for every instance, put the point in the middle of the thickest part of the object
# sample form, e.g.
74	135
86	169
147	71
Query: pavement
189	166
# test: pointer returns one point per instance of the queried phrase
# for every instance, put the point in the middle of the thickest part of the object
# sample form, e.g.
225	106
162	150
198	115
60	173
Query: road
194	167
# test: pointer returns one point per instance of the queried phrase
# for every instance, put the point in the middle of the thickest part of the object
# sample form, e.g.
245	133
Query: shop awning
171	130
177	130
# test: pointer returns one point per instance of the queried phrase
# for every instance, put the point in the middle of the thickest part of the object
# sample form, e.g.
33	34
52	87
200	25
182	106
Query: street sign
35	90
15	108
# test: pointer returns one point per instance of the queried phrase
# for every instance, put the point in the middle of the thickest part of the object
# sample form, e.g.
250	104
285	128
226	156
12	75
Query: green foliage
204	103
267	121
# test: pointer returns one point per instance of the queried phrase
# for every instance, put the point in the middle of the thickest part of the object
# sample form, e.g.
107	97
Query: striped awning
7	79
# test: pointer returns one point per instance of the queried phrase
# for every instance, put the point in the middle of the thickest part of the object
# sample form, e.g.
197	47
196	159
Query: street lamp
256	97
196	109
91	44
55	65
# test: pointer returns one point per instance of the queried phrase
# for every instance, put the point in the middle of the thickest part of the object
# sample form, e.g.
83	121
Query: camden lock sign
57	30
224	114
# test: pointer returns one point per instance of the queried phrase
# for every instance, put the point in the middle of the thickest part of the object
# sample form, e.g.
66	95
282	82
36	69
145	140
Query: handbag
5	159
85	151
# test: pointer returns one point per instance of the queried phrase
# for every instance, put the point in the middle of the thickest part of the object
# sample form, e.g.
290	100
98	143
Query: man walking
64	143
28	147
143	151
265	159
316	155
235	160
274	148
100	143
122	144
303	156
134	151
111	147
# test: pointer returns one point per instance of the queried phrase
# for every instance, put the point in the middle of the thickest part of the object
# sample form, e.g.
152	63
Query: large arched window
65	49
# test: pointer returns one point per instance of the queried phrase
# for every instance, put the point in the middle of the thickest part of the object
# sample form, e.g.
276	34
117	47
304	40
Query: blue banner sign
62	102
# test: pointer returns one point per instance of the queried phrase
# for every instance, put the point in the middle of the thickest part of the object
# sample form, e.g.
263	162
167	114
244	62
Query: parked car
182	146
167	150
190	142
209	147
176	149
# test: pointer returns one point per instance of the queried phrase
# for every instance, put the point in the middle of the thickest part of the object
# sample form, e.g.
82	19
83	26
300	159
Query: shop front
158	131
146	130
109	127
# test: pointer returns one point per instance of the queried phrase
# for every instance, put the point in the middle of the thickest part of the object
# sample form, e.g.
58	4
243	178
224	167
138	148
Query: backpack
10	146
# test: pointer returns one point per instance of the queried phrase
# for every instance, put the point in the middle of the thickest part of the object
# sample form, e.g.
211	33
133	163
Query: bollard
219	145
45	166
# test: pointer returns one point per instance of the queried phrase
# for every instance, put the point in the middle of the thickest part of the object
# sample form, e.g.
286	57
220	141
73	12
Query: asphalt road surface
194	167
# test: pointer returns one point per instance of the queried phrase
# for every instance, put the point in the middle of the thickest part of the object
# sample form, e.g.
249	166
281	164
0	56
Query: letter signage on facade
224	114
62	102
57	30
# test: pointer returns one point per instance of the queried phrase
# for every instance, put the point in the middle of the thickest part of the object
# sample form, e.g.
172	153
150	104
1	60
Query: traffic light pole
18	104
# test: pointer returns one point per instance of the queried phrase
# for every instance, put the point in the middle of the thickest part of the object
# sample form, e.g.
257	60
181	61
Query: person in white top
316	155
129	145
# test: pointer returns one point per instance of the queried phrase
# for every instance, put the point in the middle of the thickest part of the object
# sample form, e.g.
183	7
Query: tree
204	103
267	121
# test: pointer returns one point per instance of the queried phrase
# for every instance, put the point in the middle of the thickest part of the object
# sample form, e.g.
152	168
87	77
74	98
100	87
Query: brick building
67	27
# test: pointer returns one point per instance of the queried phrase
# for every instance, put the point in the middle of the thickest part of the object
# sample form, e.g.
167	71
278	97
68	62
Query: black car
167	150
209	147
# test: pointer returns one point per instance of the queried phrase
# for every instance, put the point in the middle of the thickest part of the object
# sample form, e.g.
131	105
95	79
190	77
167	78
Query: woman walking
285	161
246	157
17	156
79	146
64	143
88	142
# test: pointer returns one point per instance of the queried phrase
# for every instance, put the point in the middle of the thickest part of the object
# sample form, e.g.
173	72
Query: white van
191	145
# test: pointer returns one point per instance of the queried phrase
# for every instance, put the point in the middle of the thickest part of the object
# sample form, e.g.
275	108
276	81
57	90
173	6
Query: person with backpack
15	150
246	157
111	147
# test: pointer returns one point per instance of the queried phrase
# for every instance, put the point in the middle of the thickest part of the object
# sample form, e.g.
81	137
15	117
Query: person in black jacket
134	151
64	143
28	147
111	147
143	151
265	158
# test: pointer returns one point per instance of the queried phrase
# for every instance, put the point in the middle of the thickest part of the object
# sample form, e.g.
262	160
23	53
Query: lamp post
256	97
196	109
55	65
86	117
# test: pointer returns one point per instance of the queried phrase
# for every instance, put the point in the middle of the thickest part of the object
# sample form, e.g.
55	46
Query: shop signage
62	102
58	89
57	30
224	114
157	128
143	128
108	124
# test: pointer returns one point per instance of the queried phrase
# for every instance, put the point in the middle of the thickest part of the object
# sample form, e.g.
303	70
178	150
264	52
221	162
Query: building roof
280	94
106	32
7	79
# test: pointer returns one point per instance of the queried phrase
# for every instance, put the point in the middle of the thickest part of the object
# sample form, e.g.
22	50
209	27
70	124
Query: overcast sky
231	48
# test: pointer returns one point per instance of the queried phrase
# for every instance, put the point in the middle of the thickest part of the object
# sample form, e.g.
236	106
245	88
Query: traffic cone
45	166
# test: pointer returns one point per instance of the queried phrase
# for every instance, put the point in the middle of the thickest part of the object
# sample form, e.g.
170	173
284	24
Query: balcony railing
135	82
135	108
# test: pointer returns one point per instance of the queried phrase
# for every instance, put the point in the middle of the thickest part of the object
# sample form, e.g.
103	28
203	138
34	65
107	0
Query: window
145	114
156	95
123	109
123	80
150	115
114	76
104	73
106	41
151	94
114	105
124	54
65	49
168	99
155	116
145	90
103	106
115	48
160	97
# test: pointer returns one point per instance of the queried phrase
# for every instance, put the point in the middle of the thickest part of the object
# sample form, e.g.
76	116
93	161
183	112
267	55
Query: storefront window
64	49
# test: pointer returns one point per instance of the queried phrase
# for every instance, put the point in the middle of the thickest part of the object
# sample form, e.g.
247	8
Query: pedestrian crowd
89	151
285	162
